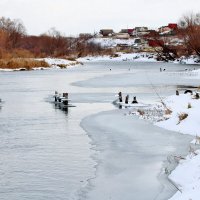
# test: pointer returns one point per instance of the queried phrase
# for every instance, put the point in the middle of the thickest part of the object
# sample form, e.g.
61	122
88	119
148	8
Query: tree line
14	42
189	32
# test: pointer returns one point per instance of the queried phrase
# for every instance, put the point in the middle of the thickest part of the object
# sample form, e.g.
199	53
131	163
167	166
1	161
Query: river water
44	151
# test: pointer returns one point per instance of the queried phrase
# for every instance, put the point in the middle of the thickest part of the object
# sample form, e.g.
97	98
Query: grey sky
75	16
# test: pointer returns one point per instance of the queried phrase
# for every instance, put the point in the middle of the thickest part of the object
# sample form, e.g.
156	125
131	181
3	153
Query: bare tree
14	29
190	30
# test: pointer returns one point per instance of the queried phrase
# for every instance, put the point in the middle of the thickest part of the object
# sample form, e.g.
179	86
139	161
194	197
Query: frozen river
93	151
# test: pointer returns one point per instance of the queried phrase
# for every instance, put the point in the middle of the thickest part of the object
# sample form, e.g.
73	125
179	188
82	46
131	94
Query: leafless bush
189	105
182	116
16	63
190	31
168	111
141	112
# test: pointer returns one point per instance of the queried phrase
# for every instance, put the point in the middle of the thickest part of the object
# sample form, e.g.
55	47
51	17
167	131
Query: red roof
130	31
173	26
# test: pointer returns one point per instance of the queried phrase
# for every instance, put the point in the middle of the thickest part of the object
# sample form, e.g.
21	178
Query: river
47	153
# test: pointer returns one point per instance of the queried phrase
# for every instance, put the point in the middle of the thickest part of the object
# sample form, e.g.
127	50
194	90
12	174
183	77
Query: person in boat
134	100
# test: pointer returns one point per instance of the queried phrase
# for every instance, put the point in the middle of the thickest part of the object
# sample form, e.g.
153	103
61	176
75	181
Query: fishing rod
154	88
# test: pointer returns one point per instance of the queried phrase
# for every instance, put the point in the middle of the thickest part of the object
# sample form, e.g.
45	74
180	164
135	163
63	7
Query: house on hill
128	31
168	30
106	32
140	31
122	36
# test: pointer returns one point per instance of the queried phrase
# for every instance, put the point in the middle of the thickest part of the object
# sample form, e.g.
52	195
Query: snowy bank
187	178
60	63
187	174
134	57
185	118
191	60
180	114
110	42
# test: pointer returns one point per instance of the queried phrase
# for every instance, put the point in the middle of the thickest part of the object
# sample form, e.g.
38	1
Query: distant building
85	35
139	43
106	32
124	47
168	30
124	36
140	31
129	31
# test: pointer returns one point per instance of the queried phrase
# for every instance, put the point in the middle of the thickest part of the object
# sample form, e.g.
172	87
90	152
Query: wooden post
65	101
56	93
126	99
120	97
65	95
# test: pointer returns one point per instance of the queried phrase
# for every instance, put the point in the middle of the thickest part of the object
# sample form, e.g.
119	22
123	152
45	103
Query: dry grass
141	112
182	116
168	111
189	105
63	66
15	53
115	55
71	58
16	63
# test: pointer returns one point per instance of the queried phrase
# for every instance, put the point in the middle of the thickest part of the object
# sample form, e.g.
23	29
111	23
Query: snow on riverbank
110	42
192	60
182	106
138	57
185	118
182	116
187	178
135	57
60	63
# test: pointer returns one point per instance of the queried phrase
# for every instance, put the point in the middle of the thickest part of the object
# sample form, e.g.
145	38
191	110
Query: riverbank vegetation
184	42
22	63
15	44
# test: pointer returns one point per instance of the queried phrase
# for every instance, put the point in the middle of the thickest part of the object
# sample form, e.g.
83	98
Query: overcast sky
74	16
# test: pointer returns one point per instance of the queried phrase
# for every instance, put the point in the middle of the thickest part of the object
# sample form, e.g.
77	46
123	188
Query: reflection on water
61	107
